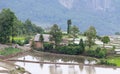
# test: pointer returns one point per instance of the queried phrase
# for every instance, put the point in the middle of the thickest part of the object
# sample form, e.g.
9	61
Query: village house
37	43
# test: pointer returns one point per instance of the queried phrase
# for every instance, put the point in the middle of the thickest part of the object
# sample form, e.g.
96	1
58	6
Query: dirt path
2	46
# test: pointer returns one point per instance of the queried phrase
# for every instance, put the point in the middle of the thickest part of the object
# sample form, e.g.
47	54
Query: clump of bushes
99	53
105	62
48	46
27	39
19	42
90	53
70	49
22	70
18	70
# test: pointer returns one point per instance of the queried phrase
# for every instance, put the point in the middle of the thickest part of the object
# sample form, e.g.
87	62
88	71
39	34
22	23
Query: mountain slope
103	14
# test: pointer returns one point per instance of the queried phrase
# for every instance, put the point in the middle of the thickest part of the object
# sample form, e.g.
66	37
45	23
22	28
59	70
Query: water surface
39	68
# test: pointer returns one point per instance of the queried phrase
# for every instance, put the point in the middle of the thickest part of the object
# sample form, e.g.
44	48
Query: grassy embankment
114	59
9	51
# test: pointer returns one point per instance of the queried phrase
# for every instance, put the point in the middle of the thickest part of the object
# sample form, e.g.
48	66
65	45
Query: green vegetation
6	25
74	32
105	62
111	61
69	22
9	51
18	70
114	60
41	38
91	35
99	53
11	27
22	40
70	49
56	34
48	46
82	45
105	40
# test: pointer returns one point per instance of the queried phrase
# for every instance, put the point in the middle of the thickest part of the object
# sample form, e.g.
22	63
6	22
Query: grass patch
19	38
9	51
115	60
92	47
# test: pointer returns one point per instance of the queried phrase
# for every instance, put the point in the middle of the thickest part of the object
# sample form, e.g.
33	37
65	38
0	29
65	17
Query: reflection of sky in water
36	68
28	57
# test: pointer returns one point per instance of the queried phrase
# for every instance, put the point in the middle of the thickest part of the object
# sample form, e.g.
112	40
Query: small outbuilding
38	43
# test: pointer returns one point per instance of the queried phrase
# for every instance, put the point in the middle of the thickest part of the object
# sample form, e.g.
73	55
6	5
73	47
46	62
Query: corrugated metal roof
45	36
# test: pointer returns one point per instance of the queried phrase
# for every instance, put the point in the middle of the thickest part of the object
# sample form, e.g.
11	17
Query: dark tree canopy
41	38
69	22
6	25
82	45
105	40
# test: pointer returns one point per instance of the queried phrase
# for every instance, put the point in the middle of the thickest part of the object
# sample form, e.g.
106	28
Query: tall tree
41	38
82	45
105	40
6	23
91	35
56	34
69	22
74	32
15	28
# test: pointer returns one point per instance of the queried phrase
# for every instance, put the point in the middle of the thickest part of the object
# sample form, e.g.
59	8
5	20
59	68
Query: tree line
11	26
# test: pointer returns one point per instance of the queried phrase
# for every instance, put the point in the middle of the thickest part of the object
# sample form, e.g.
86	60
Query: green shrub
70	49
27	39
105	62
99	53
20	42
90	53
48	46
98	50
21	70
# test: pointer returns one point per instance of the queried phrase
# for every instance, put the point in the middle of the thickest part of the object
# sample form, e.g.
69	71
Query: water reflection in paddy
38	68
